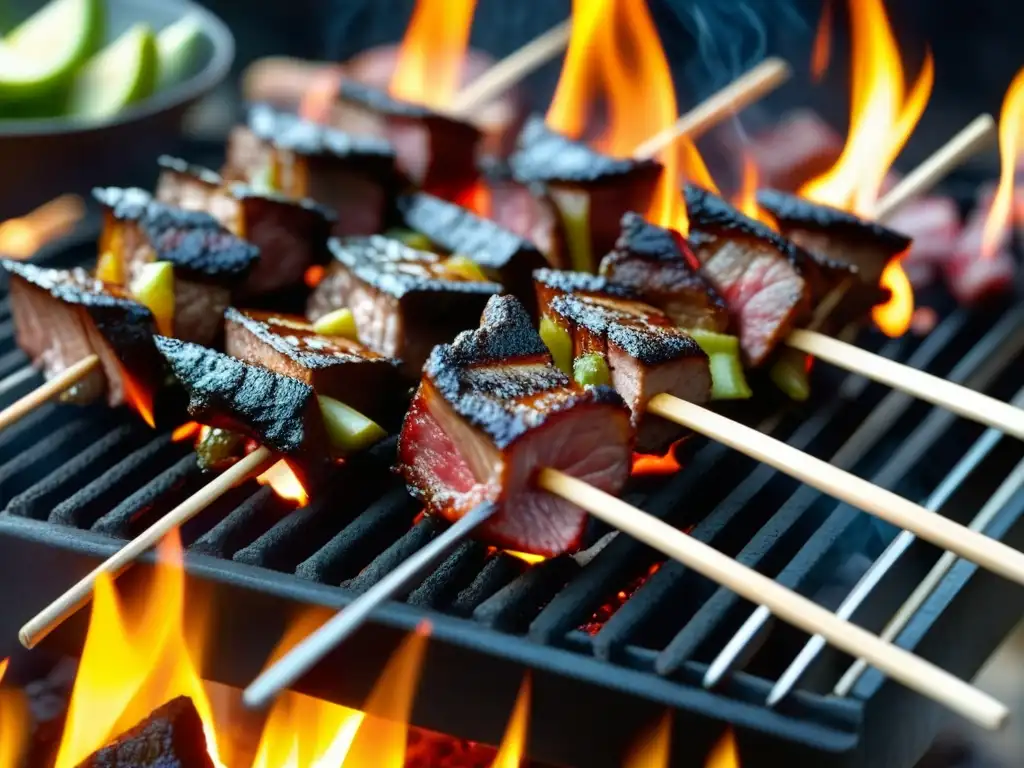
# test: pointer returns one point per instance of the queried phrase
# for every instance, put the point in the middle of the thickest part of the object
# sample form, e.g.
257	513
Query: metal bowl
43	158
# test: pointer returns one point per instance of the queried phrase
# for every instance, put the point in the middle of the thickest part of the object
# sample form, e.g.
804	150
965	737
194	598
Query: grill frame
614	699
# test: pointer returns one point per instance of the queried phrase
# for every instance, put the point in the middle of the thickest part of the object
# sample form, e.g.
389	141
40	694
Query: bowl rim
202	82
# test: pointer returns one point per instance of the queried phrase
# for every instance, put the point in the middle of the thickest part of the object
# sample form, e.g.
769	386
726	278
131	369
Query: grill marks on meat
354	175
331	365
490	411
581	183
756	272
658	265
435	150
62	317
646	355
277	411
291	234
209	262
403	300
503	255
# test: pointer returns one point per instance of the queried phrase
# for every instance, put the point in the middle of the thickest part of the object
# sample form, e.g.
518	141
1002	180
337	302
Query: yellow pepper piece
340	322
154	287
464	267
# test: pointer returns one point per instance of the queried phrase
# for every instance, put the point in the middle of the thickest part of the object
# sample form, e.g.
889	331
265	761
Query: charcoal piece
171	736
181	479
242	525
499	570
514	607
135	471
353	547
449	576
414	540
504	256
33	464
38	501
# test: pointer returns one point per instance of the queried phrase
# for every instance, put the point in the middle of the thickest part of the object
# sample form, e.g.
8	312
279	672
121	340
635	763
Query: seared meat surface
291	234
757	272
334	366
490	411
588	191
63	316
404	301
354	175
504	256
658	265
645	352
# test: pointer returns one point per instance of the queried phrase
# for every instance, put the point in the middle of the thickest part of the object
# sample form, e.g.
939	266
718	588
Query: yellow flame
1011	125
14	724
135	659
286	484
429	67
746	200
526	557
513	745
654	746
726	753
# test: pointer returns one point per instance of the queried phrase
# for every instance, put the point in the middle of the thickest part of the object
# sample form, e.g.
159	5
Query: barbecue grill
610	639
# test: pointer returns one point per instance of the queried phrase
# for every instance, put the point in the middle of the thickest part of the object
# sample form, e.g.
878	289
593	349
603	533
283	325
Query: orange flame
666	464
15	722
187	431
654	746
23	236
725	754
821	53
429	67
1011	125
314	275
3	668
135	659
137	398
526	557
286	484
882	117
746	200
513	744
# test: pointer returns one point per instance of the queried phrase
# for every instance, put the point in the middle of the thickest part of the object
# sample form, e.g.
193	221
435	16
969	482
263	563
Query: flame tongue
286	484
746	200
653	748
1011	124
513	745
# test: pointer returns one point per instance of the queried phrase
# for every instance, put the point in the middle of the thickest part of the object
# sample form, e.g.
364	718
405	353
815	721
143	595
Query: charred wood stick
46	392
80	594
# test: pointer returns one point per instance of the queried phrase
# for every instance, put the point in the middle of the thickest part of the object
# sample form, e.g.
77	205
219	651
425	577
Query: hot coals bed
613	635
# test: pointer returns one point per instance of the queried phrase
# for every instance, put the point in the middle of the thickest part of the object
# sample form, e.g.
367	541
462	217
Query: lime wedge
153	287
178	46
348	430
340	322
43	52
122	73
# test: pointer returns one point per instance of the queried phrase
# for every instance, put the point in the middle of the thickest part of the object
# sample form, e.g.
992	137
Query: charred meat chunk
334	366
172	736
504	257
437	151
353	175
404	301
291	234
208	261
63	316
587	190
490	411
645	354
757	272
658	265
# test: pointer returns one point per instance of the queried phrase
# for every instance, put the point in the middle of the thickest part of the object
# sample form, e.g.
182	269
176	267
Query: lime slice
340	322
178	47
122	73
44	51
154	287
348	430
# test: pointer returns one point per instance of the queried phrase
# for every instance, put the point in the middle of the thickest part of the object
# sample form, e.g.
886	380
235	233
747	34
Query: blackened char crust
277	411
382	102
559	281
185	168
193	241
286	131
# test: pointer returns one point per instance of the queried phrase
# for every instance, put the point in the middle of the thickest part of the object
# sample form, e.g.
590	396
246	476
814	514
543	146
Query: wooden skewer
45	393
510	70
879	502
740	93
912	671
67	604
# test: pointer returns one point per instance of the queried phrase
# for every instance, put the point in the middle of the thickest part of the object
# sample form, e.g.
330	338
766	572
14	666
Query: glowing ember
882	117
135	659
187	431
314	275
477	199
746	200
1011	124
821	53
653	748
3	668
513	744
429	67
725	754
649	464
286	484
137	398
606	611
526	557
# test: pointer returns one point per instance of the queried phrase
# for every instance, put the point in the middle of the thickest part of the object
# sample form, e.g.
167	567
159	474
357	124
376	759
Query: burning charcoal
491	409
504	257
353	175
589	191
757	272
404	301
334	366
62	317
171	737
437	151
291	234
182	264
643	352
657	264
